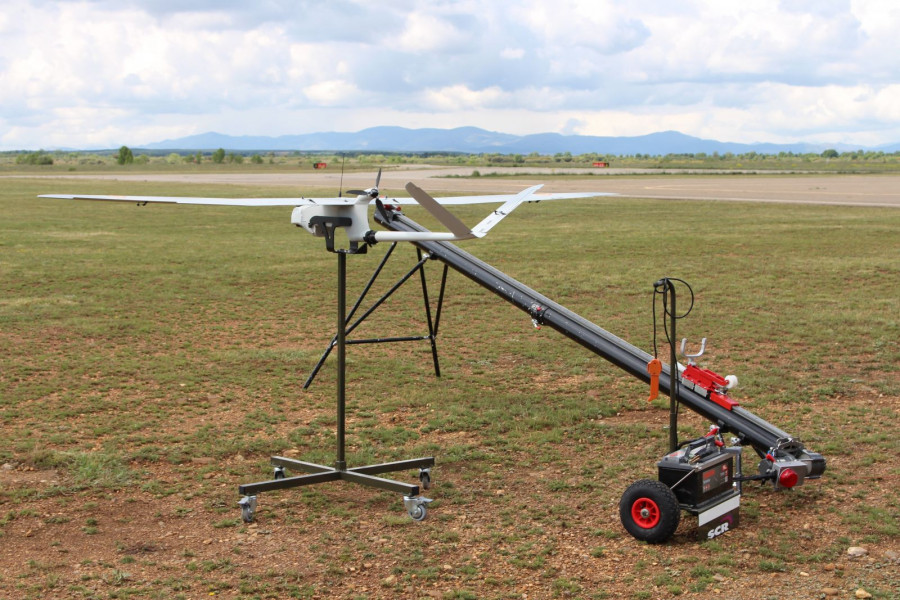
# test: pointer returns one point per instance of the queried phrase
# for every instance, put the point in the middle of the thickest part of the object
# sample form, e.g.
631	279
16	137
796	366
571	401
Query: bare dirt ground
859	190
501	541
343	542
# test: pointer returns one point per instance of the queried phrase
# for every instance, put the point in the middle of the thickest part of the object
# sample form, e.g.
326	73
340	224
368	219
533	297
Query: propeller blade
373	191
442	214
381	210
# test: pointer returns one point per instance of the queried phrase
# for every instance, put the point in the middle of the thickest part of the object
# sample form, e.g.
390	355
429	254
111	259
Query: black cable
653	304
662	287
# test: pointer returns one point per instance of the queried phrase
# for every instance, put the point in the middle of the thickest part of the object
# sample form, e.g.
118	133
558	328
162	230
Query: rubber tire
665	514
418	513
246	514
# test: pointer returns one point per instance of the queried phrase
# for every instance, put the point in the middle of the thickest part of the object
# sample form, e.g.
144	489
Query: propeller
371	192
443	215
379	205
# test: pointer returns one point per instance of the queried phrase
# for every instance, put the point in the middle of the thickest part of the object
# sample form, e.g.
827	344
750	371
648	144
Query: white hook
691	357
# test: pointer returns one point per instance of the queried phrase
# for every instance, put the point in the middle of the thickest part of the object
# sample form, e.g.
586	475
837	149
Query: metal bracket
691	357
329	225
537	315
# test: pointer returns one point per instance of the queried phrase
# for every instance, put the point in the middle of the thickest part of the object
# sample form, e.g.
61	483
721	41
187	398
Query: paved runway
857	190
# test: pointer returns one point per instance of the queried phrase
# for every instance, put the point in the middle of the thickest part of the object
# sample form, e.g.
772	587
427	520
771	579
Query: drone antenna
341	184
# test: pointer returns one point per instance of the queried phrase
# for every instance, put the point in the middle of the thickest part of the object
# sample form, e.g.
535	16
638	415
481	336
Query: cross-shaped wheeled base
415	505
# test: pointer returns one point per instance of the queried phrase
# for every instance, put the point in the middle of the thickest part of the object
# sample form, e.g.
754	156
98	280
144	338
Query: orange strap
654	367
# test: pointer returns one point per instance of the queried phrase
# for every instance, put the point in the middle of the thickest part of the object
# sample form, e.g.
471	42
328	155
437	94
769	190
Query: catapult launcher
701	476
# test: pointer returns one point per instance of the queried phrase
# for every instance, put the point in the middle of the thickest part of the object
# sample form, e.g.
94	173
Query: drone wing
309	212
495	199
192	200
448	201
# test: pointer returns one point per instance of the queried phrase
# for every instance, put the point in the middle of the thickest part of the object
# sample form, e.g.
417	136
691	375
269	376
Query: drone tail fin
499	214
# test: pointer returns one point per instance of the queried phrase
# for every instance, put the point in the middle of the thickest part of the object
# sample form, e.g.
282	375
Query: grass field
152	360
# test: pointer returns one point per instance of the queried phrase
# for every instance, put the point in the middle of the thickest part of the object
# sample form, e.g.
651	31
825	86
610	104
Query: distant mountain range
472	140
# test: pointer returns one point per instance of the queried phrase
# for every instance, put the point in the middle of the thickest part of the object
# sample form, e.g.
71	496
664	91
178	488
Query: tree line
126	156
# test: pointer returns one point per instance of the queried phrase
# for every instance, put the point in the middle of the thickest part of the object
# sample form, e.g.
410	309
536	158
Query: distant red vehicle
601	163
320	165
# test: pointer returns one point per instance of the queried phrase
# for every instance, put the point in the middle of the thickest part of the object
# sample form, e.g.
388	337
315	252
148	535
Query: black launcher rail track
750	429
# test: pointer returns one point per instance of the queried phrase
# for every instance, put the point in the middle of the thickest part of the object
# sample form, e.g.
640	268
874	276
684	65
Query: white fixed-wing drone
321	216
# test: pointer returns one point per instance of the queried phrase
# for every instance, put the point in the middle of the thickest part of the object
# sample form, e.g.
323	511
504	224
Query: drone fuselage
356	210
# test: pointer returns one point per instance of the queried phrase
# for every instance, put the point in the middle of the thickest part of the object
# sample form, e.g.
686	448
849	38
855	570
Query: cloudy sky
102	73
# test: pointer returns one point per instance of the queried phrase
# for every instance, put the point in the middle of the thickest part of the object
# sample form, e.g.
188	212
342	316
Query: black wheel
279	472
649	511
425	480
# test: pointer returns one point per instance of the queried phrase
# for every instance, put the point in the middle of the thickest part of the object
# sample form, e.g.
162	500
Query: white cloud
104	71
459	97
606	27
431	33
334	92
512	53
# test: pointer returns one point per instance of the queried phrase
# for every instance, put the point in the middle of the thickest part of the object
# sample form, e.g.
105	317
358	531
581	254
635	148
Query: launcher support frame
364	475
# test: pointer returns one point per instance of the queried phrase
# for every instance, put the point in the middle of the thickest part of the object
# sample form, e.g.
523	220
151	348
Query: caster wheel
425	478
248	508
279	472
416	507
649	511
418	513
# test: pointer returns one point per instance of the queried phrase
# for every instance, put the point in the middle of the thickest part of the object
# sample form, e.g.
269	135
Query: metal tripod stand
365	475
